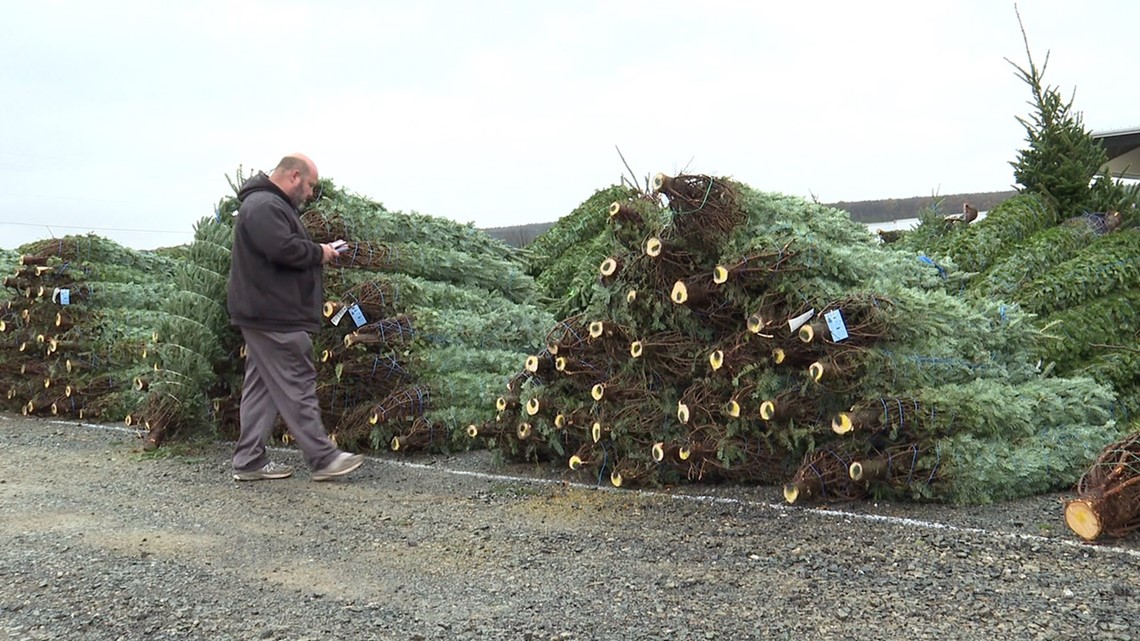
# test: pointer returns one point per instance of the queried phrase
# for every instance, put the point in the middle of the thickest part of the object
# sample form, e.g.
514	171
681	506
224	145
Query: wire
149	231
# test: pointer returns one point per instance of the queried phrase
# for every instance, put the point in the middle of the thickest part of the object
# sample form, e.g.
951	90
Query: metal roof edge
1112	133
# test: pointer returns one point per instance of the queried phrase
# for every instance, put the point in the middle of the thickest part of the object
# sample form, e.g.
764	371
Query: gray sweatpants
280	379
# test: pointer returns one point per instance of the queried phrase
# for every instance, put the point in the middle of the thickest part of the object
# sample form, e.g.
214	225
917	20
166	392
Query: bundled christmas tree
9	259
194	348
560	259
977	441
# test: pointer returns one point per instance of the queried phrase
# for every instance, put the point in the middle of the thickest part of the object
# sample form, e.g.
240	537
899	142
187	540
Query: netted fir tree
194	349
560	260
1029	261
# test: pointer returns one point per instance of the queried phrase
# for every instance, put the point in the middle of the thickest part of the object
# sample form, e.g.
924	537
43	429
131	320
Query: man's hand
329	253
336	247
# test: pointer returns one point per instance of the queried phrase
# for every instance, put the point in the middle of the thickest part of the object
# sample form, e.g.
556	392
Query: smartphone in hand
339	245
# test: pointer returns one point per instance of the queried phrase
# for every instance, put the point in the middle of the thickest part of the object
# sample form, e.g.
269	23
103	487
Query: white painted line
704	498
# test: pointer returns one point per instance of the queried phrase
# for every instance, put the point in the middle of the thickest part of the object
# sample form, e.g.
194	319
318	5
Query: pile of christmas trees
79	313
733	334
427	319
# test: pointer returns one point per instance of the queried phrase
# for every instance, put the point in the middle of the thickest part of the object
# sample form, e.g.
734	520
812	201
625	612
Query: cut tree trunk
1108	501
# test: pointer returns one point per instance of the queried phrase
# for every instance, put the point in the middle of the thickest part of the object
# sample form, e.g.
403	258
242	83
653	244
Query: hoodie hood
261	182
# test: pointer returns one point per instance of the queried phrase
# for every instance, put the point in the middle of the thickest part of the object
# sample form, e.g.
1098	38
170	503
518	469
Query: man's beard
295	197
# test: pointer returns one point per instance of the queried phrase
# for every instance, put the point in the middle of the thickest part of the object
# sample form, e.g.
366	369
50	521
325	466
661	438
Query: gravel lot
99	541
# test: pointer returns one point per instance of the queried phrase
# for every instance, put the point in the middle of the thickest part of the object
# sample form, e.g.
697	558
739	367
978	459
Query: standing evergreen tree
1063	158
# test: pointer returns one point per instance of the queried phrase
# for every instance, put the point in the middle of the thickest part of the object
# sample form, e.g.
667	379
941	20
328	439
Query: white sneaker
342	464
268	472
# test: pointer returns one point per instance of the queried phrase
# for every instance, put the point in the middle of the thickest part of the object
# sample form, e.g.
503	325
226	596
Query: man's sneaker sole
350	464
260	475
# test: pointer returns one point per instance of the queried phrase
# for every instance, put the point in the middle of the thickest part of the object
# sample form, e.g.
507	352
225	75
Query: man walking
274	296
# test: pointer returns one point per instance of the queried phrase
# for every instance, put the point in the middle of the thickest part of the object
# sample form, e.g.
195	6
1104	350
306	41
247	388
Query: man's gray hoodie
275	271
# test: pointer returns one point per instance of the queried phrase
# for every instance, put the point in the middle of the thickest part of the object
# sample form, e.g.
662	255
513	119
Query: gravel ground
99	541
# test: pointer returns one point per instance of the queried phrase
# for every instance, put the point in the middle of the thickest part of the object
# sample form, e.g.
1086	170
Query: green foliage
90	250
193	355
190	369
9	258
1118	364
977	470
445	311
1109	194
565	259
338	214
989	441
994	409
457	267
931	235
502	325
8	262
140	294
1071	334
1109	263
588	221
566	284
985	241
828	254
413	244
1036	256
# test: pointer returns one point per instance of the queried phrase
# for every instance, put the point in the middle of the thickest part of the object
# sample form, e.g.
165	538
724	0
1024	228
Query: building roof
1123	147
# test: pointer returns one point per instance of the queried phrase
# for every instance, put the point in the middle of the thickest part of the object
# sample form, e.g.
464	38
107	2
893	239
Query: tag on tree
794	324
357	315
835	325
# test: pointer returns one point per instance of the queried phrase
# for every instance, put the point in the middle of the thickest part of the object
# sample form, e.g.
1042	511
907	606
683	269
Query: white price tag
357	315
836	325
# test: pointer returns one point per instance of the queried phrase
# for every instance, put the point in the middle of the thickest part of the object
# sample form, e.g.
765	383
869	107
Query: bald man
274	296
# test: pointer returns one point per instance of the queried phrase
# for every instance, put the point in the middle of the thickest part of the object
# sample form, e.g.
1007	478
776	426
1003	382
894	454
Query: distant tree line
864	211
878	211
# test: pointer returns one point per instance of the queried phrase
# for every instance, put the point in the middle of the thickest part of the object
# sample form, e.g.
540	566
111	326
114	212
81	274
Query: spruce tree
1062	158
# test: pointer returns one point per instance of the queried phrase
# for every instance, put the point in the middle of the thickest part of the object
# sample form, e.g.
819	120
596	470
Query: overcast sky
122	115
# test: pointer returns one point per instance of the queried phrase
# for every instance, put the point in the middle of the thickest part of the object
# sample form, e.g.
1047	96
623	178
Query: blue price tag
357	315
835	325
65	297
